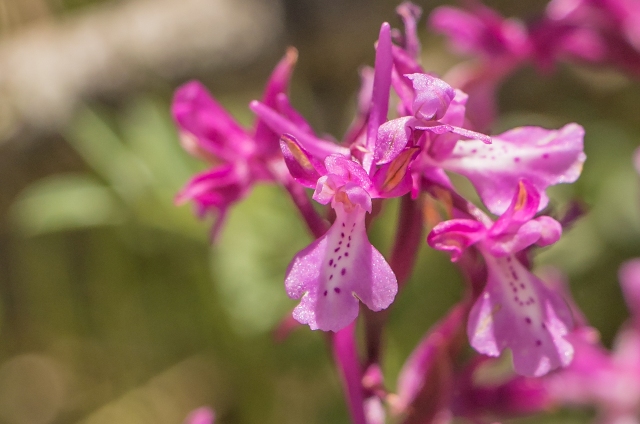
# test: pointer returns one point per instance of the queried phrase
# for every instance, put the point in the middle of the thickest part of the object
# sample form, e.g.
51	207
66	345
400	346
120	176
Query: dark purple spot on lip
337	290
528	320
339	257
514	275
544	326
336	249
340	242
331	277
346	254
343	224
344	271
342	235
348	244
521	285
331	262
508	259
538	342
325	292
349	238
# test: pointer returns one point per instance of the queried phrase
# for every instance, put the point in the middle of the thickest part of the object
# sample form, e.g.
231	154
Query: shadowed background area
114	307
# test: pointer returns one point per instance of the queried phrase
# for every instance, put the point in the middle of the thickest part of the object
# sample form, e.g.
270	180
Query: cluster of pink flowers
595	32
435	127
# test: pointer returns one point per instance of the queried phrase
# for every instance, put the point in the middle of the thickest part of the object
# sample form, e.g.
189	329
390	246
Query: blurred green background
114	308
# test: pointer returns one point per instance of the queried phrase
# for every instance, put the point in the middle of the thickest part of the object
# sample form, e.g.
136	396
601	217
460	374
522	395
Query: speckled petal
336	271
543	157
517	311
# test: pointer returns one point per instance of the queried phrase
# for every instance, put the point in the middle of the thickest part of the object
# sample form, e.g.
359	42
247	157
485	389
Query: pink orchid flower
516	310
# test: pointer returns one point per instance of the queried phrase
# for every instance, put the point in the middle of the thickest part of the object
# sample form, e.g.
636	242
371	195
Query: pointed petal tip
255	105
292	55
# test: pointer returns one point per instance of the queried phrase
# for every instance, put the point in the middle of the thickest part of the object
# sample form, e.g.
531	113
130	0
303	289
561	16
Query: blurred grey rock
47	68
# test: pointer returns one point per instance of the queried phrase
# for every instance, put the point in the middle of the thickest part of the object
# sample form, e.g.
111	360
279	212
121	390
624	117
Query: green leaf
65	202
258	241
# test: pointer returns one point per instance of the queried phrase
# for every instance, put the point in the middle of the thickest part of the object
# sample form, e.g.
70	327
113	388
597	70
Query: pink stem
402	260
316	224
346	356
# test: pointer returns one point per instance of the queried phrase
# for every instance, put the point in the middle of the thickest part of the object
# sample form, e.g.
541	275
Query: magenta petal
523	207
629	275
304	168
443	145
516	229
278	83
281	125
506	244
203	121
455	236
550	231
216	188
410	14
517	311
348	169
204	415
352	195
394	179
464	30
432	96
327	187
335	271
590	372
393	136
481	31
543	157
381	91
